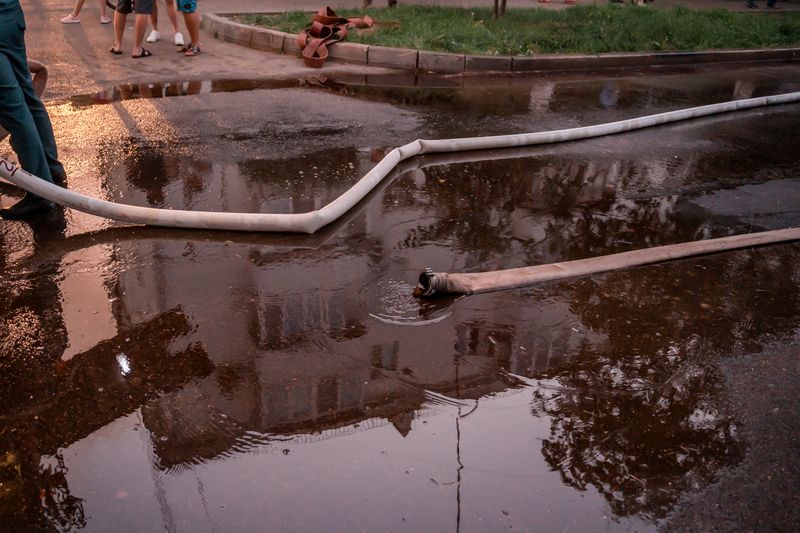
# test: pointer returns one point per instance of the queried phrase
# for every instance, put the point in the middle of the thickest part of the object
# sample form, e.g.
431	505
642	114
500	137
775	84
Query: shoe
69	19
59	177
153	37
179	39
104	20
192	51
29	205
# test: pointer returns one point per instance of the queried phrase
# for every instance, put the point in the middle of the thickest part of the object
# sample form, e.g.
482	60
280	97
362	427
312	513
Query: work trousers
21	111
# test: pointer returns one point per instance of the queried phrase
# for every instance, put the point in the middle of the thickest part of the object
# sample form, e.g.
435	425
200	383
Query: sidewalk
79	62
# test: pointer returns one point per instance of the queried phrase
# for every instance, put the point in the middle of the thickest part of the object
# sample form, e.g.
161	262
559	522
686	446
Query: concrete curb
407	59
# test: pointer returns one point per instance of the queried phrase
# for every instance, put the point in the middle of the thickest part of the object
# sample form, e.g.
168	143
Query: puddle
396	305
149	373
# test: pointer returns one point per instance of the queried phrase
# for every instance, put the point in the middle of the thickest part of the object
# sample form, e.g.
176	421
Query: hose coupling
427	285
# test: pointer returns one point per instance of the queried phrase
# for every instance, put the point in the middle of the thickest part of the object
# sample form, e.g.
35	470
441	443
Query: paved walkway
79	61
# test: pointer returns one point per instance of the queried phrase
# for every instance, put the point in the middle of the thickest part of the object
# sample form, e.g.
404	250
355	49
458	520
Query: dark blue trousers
21	111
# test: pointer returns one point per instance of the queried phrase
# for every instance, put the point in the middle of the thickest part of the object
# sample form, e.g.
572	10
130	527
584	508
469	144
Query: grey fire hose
432	283
312	221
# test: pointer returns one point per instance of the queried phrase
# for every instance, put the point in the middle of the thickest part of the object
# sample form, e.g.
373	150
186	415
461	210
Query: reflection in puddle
264	379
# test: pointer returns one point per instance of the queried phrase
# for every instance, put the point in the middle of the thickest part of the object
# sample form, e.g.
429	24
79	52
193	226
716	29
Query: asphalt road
762	388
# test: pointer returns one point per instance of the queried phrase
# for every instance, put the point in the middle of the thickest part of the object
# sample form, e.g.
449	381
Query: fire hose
312	221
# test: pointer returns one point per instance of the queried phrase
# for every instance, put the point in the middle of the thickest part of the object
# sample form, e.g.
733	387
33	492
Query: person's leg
139	27
40	118
74	17
143	10
103	14
172	13
77	9
120	16
18	120
155	35
192	20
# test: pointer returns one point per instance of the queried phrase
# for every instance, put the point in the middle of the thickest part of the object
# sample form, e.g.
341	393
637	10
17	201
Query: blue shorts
186	6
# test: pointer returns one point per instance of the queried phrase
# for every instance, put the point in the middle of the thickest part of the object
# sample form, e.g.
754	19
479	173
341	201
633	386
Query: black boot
29	205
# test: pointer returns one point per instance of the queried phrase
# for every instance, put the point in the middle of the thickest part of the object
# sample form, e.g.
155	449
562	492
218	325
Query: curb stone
266	39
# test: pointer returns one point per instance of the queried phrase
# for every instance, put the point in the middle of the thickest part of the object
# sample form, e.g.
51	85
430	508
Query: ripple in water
399	307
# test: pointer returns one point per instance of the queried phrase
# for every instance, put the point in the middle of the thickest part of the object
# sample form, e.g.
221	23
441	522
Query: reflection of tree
635	418
566	208
46	408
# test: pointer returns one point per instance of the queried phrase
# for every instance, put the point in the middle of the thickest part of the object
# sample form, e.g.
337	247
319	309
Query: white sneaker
153	37
179	39
69	19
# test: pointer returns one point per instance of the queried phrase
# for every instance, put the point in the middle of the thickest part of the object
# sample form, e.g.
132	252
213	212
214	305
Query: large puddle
200	381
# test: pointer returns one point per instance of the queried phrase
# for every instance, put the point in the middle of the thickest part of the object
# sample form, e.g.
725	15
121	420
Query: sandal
184	49
192	51
145	53
115	51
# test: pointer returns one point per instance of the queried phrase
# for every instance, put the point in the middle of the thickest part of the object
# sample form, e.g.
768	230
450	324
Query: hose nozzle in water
426	285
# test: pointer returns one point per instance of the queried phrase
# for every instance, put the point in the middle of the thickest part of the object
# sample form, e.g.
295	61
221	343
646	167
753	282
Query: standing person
74	17
192	20
22	112
143	9
172	13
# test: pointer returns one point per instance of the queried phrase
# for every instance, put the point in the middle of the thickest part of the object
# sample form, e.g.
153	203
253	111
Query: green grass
582	29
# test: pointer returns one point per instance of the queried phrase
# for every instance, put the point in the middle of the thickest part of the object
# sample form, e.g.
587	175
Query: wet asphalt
203	380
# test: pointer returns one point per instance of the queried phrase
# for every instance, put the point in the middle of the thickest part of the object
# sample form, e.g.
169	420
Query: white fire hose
312	221
430	282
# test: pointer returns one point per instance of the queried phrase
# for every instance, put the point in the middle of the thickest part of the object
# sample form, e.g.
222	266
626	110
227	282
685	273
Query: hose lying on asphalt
311	221
431	283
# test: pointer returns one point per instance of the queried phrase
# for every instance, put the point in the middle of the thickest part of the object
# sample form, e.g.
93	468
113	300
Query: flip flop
145	53
115	51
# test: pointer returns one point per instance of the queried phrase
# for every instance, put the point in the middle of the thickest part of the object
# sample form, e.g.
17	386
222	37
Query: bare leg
103	15
192	21
172	13
119	29
154	16
77	9
139	27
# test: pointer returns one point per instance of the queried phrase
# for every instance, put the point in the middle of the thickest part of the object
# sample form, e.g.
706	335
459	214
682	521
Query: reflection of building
247	342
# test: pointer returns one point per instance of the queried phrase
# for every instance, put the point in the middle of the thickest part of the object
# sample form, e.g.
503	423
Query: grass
581	29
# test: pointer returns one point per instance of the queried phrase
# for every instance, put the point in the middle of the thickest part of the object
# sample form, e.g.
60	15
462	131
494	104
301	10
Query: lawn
581	29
